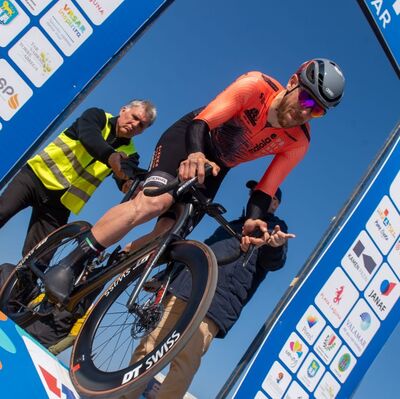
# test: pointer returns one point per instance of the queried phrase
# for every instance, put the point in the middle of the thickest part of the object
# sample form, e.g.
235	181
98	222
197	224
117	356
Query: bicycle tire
21	287
89	378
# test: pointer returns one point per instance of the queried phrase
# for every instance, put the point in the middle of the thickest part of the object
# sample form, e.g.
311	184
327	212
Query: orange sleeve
280	167
230	102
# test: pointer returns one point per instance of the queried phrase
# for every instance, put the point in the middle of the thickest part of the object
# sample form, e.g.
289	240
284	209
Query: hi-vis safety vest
65	164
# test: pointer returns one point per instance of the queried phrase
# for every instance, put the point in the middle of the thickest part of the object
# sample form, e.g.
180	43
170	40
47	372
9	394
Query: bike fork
151	263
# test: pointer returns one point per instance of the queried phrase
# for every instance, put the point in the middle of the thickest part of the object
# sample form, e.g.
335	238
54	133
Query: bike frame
150	253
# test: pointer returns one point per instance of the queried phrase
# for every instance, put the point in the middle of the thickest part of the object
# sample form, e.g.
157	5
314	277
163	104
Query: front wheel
105	361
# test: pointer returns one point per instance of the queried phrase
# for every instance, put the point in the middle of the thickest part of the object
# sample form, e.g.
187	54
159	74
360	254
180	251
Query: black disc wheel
119	349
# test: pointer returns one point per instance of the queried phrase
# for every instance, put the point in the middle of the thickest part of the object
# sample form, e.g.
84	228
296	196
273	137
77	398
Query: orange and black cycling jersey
240	132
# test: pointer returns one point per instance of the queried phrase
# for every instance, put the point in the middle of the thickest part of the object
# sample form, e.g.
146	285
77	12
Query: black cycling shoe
59	282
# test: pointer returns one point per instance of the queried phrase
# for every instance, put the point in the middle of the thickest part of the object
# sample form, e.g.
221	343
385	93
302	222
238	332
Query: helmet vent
310	73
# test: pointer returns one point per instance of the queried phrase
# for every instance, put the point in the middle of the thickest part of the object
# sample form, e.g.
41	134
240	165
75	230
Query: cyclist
235	287
255	116
61	178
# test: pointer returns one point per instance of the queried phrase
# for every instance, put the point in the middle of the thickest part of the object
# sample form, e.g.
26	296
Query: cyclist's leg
164	223
169	152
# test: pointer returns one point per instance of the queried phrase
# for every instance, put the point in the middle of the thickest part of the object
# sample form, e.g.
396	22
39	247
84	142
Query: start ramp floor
27	369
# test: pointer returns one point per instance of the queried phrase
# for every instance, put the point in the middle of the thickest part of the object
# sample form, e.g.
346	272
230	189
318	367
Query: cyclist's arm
226	105
260	199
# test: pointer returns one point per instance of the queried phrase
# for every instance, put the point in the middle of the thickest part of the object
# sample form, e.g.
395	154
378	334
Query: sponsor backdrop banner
49	51
27	370
343	311
384	17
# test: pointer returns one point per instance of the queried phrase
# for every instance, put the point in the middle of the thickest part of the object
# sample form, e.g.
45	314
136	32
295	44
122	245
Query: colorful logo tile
343	363
276	381
362	260
384	225
383	292
311	324
311	372
293	352
336	297
328	344
360	327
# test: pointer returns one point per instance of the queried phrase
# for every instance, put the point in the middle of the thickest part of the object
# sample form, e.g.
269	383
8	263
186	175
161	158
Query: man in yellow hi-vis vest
61	178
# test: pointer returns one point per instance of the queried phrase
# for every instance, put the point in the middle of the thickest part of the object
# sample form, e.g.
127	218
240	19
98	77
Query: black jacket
236	284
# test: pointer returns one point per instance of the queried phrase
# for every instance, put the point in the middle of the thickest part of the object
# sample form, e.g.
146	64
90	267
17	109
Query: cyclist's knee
153	205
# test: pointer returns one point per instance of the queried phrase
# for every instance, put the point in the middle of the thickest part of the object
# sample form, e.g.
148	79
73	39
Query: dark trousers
48	213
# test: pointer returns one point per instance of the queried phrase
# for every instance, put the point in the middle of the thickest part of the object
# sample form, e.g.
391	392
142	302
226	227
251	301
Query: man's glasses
307	101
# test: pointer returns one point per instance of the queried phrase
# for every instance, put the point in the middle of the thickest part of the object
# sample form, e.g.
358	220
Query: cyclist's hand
250	228
114	162
278	237
194	165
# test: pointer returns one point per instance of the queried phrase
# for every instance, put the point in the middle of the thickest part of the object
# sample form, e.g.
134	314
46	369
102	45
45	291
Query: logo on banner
99	10
53	375
296	391
312	320
311	372
387	287
368	261
276	381
383	225
336	297
359	327
327	345
339	294
365	321
362	260
329	342
55	386
7	12
344	362
66	26
311	324
293	352
313	369
14	92
383	292
328	388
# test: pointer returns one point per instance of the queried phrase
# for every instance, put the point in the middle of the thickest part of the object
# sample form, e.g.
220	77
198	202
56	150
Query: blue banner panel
384	17
343	311
27	370
49	52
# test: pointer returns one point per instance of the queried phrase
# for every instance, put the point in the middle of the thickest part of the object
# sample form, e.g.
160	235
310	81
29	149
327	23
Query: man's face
289	111
132	121
274	205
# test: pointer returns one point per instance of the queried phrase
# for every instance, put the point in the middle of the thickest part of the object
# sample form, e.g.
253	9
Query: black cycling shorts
171	151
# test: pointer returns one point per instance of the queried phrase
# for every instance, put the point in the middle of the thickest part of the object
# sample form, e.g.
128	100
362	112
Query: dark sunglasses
306	100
